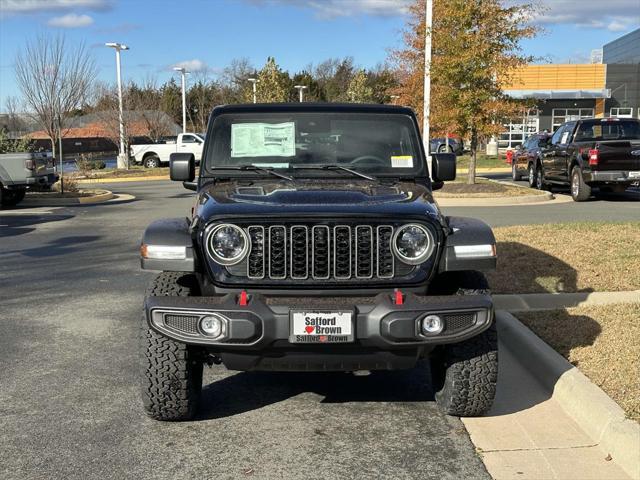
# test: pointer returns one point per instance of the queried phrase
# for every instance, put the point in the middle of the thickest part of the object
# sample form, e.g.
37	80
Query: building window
517	131
621	112
561	115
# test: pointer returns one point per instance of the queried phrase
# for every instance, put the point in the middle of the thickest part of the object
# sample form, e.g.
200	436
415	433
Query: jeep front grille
320	252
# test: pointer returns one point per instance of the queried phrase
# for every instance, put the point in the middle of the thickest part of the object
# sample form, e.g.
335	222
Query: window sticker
271	165
565	137
401	161
263	139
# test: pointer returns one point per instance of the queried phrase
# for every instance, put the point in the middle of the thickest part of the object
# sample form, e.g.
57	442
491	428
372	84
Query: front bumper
611	177
387	336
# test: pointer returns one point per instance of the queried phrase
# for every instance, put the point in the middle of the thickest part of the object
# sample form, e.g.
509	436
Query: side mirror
443	167
182	167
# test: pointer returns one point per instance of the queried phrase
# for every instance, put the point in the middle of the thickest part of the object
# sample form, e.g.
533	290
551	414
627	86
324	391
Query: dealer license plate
312	326
634	174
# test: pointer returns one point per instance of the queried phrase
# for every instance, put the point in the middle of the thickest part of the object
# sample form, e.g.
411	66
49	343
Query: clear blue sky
210	33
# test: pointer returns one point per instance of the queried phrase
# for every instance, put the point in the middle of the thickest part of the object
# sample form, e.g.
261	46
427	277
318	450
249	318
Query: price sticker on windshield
401	161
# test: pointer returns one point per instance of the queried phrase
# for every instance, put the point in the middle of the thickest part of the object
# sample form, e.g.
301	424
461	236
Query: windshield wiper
253	168
334	167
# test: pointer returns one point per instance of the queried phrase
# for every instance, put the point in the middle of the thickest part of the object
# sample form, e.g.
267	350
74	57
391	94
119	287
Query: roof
312	107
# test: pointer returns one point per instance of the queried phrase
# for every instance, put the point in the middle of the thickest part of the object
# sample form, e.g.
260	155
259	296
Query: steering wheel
370	159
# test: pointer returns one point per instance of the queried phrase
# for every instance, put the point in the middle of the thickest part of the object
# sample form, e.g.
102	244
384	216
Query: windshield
375	143
608	130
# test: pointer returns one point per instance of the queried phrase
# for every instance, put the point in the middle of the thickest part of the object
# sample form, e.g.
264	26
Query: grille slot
320	252
182	323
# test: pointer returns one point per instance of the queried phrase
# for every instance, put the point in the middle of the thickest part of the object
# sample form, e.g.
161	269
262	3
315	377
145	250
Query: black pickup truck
315	244
597	152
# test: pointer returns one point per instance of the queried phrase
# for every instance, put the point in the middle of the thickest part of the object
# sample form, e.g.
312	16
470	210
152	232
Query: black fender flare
459	253
172	233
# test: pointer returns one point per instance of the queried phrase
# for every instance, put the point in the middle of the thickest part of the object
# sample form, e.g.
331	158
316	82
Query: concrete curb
600	417
124	179
102	197
555	301
493	201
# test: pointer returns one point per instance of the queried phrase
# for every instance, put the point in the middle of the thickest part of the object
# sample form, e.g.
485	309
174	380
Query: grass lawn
602	341
483	188
567	257
483	161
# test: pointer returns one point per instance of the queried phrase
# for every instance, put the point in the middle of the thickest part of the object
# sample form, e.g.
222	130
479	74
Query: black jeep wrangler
315	244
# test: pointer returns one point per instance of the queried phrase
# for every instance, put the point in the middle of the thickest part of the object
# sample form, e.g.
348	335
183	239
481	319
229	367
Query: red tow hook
398	297
242	299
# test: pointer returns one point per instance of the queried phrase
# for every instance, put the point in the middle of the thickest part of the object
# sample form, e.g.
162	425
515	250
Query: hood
312	197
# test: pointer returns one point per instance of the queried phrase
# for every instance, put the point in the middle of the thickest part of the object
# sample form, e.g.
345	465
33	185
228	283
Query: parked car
153	155
439	145
315	244
527	156
22	171
597	152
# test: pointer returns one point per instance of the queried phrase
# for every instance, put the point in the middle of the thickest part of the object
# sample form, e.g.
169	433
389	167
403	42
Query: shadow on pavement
247	391
12	226
57	247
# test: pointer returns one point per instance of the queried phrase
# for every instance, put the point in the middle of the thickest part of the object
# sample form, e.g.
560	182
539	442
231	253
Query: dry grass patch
567	257
483	188
602	341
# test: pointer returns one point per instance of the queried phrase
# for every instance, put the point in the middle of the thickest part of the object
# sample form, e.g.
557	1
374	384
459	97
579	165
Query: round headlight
413	243
228	244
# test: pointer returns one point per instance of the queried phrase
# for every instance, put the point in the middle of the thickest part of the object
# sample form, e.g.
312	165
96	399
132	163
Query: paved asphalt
70	300
71	294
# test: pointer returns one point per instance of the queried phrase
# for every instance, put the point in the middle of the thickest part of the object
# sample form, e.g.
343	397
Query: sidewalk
527	435
555	301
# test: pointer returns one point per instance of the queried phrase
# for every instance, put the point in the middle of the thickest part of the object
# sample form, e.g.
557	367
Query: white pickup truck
153	155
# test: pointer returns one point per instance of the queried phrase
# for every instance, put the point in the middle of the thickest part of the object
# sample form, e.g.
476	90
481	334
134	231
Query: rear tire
465	374
152	161
10	198
580	191
171	372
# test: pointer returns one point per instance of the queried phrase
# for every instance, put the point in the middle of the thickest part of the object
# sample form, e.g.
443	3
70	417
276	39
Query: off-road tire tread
466	373
171	371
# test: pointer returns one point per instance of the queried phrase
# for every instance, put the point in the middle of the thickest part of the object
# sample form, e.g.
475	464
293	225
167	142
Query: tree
476	49
171	100
359	91
55	80
334	76
202	96
313	93
274	85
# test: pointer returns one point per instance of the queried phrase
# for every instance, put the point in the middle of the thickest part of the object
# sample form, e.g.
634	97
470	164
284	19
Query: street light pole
183	73
427	80
123	158
254	81
300	89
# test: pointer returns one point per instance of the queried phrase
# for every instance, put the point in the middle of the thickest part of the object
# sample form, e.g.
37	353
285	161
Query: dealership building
609	86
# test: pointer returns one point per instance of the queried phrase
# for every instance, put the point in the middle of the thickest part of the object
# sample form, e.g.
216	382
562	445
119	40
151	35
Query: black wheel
152	161
465	374
171	372
531	178
515	176
10	198
580	191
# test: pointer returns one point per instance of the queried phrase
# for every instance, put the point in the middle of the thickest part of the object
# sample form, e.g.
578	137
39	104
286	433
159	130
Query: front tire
171	372
580	191
515	176
465	374
531	178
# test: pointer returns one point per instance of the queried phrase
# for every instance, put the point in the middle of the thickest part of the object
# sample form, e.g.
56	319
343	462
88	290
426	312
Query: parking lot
71	294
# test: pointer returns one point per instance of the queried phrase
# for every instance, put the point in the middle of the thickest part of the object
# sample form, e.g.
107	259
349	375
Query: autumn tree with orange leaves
475	51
